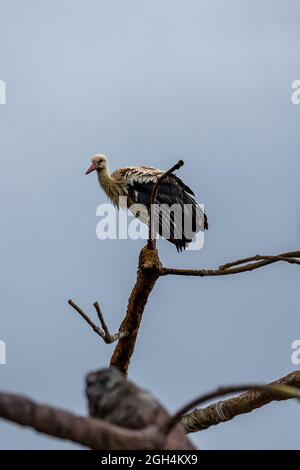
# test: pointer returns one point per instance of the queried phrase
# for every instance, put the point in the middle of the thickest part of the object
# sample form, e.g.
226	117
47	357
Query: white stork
136	184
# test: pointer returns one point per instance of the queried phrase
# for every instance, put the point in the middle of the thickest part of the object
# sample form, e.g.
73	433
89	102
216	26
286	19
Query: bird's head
99	162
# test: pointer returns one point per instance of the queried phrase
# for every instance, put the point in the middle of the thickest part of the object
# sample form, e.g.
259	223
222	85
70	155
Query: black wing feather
171	191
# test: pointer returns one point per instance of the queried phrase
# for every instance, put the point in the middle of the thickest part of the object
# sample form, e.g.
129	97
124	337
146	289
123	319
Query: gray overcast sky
147	82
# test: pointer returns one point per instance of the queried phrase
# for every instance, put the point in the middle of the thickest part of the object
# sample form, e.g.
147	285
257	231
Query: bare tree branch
90	432
236	267
105	334
148	273
152	241
275	391
222	411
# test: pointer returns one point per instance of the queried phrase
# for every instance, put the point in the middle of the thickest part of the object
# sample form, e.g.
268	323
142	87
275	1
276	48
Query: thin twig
86	318
101	318
283	257
278	391
151	238
105	334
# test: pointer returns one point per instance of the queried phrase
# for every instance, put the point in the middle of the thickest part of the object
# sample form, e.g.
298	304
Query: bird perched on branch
177	216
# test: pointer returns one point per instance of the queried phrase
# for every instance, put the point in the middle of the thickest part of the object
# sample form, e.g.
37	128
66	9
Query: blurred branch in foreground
126	417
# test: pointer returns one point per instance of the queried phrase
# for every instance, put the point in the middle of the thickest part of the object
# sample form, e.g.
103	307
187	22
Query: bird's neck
104	178
111	187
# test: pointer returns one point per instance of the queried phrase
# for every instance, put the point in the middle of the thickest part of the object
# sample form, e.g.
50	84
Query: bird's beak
93	167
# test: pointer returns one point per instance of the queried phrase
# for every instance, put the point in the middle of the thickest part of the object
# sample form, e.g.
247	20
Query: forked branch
103	332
